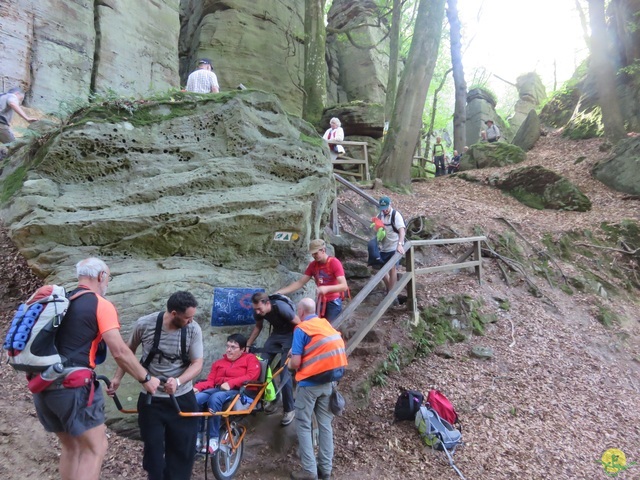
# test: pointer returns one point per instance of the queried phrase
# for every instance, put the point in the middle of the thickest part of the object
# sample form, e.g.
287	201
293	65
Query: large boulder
185	193
529	132
487	155
621	170
182	194
62	52
259	44
540	188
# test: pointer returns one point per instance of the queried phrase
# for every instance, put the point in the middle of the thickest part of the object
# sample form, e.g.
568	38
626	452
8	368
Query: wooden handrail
408	279
359	191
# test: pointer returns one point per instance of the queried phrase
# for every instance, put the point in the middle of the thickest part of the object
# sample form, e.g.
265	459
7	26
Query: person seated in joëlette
227	375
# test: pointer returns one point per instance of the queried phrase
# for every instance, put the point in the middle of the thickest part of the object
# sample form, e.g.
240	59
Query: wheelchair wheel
225	462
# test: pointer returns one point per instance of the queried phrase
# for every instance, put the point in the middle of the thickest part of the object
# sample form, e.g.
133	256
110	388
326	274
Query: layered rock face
61	52
481	106
356	73
259	44
531	93
175	195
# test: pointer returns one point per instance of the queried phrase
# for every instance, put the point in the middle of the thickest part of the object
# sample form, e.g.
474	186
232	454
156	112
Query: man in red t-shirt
330	281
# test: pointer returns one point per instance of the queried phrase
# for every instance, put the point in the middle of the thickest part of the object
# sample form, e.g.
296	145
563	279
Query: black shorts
65	409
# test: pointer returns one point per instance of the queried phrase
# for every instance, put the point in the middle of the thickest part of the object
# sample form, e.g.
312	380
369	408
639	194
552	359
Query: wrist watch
178	381
146	378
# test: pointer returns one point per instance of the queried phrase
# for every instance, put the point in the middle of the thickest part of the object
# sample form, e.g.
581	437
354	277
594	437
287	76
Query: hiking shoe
213	446
287	418
271	407
199	442
322	476
303	475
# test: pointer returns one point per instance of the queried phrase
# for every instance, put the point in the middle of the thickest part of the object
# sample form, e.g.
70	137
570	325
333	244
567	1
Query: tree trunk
460	107
315	82
434	109
394	50
394	167
603	70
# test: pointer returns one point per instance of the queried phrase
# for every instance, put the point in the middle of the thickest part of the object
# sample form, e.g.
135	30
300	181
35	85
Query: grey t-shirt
6	112
143	333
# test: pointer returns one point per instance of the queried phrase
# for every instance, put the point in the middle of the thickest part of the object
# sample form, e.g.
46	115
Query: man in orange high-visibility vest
318	357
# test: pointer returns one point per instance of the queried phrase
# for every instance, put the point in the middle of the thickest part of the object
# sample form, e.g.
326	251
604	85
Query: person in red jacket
223	383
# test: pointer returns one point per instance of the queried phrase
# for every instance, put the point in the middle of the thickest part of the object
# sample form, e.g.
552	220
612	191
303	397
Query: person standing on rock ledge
203	80
9	103
492	133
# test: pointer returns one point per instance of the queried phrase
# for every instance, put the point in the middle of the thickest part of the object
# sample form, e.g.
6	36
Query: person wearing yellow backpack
328	274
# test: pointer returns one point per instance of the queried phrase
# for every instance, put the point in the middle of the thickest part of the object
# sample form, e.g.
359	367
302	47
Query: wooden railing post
335	223
412	302
477	256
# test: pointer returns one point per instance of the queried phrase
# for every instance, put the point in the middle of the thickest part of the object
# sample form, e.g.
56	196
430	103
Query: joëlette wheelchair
225	461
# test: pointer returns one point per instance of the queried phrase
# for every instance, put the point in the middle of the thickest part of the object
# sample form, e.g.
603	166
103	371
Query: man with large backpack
280	312
331	283
171	347
76	414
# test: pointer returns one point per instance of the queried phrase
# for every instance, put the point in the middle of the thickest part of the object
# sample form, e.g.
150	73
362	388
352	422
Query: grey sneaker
287	418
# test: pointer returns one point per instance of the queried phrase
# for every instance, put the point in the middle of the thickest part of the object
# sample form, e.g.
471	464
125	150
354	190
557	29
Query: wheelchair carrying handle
107	382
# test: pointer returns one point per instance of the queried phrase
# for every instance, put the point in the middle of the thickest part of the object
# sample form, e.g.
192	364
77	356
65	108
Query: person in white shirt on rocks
203	80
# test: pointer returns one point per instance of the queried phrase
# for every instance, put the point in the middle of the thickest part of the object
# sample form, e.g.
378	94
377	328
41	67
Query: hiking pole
453	465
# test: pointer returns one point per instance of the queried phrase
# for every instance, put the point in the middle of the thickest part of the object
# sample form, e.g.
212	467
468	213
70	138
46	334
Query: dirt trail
560	390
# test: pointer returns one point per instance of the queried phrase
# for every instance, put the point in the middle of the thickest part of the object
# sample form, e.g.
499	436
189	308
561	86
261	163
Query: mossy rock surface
540	188
487	155
621	170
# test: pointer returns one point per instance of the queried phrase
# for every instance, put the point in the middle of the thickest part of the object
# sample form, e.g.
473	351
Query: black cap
204	61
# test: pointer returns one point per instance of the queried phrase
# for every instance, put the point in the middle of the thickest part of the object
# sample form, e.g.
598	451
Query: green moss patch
540	188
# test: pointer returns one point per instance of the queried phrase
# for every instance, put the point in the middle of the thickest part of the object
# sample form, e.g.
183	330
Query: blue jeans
333	309
311	400
439	161
214	399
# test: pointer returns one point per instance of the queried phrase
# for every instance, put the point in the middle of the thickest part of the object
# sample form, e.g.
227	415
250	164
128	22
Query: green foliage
585	124
13	183
527	198
631	70
393	363
607	317
505	305
486	90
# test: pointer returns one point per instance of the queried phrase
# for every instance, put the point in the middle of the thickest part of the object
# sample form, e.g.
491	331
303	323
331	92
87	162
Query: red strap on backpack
442	406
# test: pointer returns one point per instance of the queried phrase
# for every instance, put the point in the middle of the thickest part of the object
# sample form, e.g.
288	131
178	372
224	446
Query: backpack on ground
442	406
438	433
31	341
435	431
408	405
